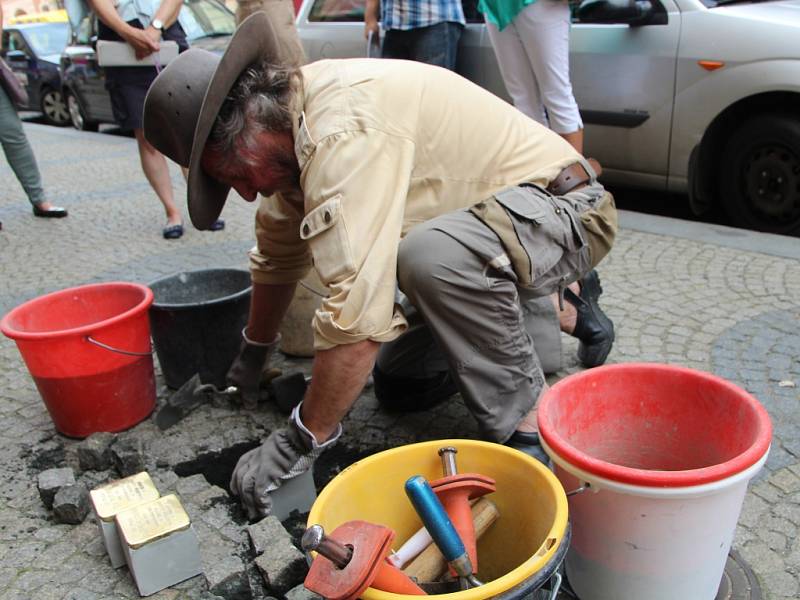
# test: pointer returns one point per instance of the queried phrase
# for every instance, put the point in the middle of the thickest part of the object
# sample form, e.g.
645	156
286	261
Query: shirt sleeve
280	255
355	187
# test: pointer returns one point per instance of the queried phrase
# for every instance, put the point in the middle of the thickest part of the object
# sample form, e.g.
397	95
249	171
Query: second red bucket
88	351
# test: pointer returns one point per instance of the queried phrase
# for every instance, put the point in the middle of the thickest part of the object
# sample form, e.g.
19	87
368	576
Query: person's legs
20	155
155	168
411	373
544	33
516	71
452	270
437	44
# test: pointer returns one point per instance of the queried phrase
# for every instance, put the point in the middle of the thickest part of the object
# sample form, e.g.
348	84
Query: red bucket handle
91	340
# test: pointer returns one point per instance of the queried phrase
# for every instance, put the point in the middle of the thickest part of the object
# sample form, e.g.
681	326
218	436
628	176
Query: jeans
435	45
18	151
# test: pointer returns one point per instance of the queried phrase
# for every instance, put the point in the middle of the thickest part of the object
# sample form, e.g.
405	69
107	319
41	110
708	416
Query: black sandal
173	232
55	212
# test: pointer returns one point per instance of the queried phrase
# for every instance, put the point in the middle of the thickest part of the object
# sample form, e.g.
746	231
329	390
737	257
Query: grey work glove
245	372
285	454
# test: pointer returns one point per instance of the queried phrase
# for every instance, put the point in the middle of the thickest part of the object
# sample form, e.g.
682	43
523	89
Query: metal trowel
191	395
286	391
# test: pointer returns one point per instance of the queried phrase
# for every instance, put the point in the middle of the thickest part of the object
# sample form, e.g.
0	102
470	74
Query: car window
14	41
337	10
206	18
594	11
48	39
83	36
353	10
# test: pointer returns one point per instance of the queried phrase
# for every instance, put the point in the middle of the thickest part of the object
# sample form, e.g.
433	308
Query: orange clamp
368	566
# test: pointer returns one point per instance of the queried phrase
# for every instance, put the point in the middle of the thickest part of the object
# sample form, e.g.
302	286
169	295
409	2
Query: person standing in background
426	31
531	41
143	24
20	156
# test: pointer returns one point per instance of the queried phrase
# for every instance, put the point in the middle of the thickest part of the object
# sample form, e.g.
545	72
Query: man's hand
245	372
371	10
285	454
371	26
144	42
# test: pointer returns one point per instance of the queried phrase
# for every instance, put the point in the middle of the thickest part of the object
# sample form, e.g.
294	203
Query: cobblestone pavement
673	300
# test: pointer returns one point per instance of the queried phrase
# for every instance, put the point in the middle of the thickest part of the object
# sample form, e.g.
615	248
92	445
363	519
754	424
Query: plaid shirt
413	14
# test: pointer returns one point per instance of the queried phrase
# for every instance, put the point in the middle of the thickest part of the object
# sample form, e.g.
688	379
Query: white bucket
667	453
637	543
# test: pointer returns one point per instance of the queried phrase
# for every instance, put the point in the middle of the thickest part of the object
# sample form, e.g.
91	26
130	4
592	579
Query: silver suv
690	96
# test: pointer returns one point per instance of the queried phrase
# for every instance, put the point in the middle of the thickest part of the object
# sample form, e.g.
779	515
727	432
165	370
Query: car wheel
54	108
77	116
760	174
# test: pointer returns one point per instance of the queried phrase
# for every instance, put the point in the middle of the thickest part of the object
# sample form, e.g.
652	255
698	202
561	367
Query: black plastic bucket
196	321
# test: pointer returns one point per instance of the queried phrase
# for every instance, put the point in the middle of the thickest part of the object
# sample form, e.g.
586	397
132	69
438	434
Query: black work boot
528	442
593	327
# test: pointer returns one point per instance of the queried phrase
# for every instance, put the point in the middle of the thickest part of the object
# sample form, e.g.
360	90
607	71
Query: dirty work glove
285	454
245	372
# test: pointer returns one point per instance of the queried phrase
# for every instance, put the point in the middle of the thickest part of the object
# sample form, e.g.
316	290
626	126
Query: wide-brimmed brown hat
185	99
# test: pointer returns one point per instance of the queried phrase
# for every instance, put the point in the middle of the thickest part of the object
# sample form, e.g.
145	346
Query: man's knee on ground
421	259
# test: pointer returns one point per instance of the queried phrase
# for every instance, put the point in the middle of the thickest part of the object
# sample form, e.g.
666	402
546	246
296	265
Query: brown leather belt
572	177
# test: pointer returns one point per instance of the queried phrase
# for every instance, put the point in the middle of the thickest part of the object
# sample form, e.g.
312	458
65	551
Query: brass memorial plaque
148	522
114	497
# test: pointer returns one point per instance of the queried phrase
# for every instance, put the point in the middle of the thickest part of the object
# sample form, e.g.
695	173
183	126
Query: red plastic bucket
665	454
88	351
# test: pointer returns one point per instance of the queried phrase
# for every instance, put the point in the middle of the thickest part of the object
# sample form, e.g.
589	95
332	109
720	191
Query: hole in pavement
216	467
50	458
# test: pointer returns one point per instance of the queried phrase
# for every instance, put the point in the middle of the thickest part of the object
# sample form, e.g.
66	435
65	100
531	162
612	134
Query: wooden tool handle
430	565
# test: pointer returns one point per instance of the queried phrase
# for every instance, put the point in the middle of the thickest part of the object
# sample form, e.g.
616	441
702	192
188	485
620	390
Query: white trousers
533	55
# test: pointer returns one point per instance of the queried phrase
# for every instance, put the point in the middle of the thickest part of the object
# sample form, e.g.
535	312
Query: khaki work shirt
384	145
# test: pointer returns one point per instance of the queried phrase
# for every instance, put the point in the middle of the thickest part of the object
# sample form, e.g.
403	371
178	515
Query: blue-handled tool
438	524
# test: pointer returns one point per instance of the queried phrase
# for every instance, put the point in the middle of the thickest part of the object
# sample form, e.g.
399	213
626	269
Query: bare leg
569	316
529	424
156	170
575	138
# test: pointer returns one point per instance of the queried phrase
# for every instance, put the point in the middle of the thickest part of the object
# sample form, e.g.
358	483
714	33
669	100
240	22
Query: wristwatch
158	24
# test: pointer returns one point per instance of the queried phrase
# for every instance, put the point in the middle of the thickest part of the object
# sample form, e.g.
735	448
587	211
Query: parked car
33	52
208	24
692	96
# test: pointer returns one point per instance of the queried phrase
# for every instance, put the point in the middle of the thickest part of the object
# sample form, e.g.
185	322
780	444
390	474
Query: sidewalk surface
702	296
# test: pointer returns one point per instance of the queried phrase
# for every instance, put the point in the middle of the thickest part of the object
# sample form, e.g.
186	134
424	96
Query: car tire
759	174
54	108
78	116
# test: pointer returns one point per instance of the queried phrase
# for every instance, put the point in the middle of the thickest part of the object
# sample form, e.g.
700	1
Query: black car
208	24
33	51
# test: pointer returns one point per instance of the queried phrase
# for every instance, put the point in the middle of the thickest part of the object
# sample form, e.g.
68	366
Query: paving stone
187	487
94	453
211	496
282	565
786	481
223	567
226	575
127	456
71	504
301	593
52	480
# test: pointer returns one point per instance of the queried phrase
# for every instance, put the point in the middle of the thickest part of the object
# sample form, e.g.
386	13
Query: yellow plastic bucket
532	505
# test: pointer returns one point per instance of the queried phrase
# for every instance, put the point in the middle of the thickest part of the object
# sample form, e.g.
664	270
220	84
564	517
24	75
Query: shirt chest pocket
326	232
